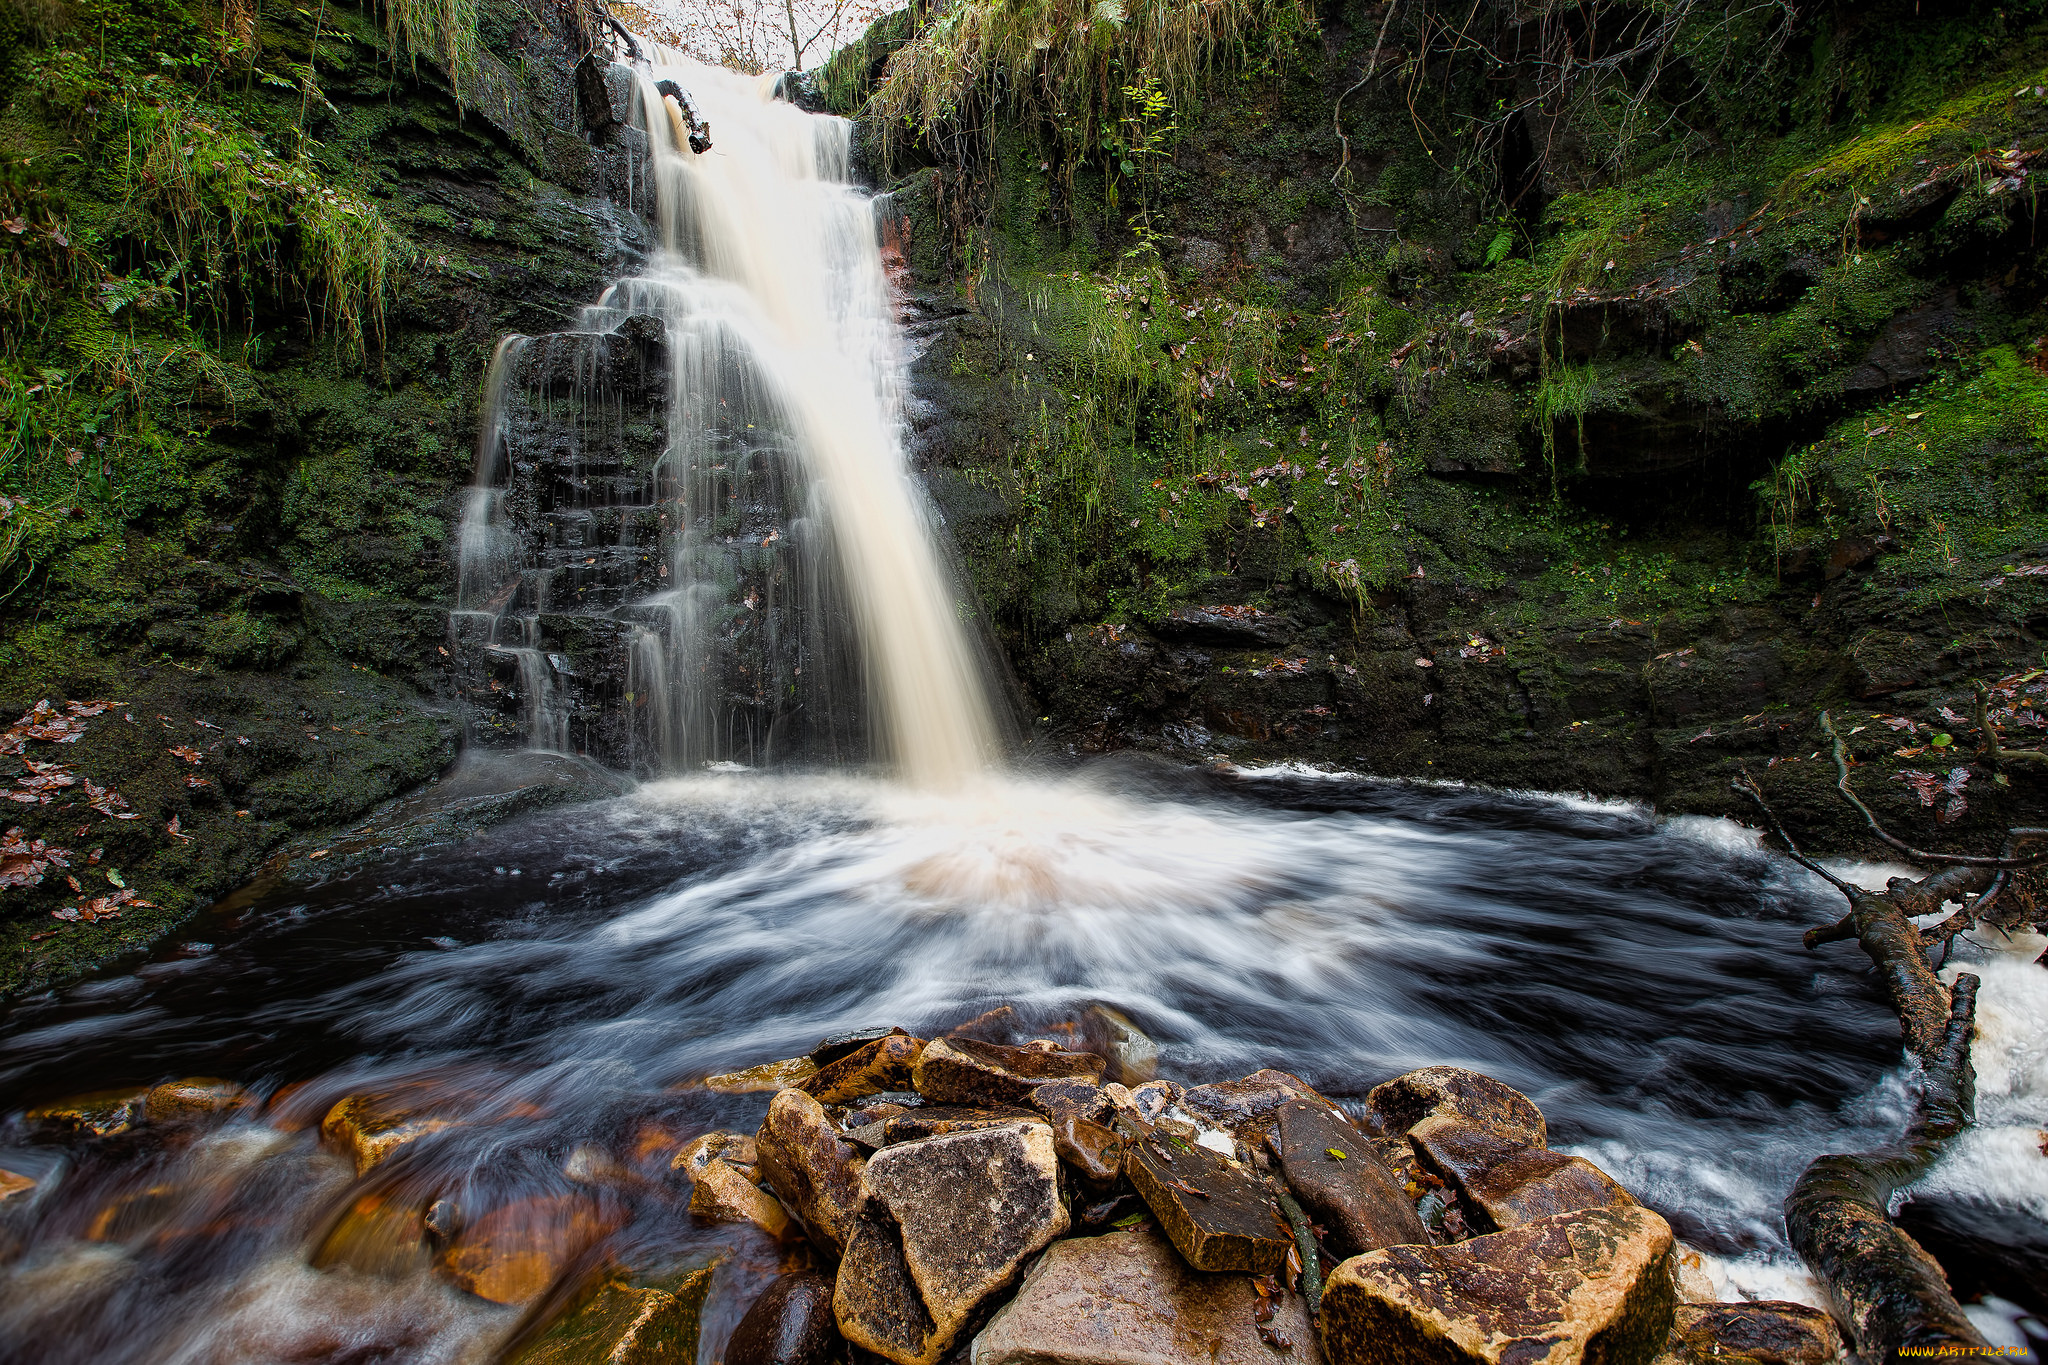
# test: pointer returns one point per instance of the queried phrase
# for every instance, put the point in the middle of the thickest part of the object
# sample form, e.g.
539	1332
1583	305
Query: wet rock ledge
993	1198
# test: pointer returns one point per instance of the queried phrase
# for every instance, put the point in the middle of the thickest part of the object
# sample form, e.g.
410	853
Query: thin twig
1749	785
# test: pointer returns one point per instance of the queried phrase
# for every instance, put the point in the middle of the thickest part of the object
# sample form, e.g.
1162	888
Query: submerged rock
14	1185
791	1324
726	1193
514	1252
1126	1298
816	1172
944	1224
1766	1333
195	1097
1590	1286
1342	1183
381	1232
101	1113
769	1076
871	1069
1220	1216
619	1323
967	1071
367	1128
1398	1105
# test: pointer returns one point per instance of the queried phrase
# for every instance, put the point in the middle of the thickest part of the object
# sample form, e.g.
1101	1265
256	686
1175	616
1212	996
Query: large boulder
1220	1216
1506	1181
1126	1298
1766	1333
814	1171
1592	1287
943	1225
1342	1183
791	1324
1398	1105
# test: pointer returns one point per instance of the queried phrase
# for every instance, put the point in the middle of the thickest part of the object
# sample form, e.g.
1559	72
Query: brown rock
1220	1217
1593	1286
931	1120
791	1324
1246	1107
13	1184
1091	1151
102	1113
725	1193
880	1066
814	1170
1768	1333
1070	1099
619	1323
514	1252
736	1149
944	1224
1342	1183
1405	1101
380	1233
1506	1181
196	1097
1132	1055
966	1071
368	1128
769	1076
830	1050
1127	1299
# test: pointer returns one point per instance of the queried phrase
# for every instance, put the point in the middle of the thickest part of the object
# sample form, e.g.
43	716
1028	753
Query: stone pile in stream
988	1198
1009	1204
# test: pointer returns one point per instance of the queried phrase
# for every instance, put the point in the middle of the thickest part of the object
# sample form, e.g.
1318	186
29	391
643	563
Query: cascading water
773	565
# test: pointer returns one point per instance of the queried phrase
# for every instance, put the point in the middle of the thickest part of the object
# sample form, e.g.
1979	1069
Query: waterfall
769	580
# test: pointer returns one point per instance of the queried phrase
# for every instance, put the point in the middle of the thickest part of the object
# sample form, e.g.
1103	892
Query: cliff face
252	277
1345	419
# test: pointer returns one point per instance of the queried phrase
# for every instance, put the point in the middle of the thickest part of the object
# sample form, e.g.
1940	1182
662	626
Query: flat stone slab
1127	1298
1588	1287
870	1069
1507	1181
1219	1216
944	1224
968	1071
1766	1333
1342	1183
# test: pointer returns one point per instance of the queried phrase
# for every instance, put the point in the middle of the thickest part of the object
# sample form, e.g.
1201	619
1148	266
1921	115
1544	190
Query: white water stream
769	282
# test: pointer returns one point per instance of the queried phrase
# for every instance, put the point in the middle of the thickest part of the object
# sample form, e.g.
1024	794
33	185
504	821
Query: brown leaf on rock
23	861
186	752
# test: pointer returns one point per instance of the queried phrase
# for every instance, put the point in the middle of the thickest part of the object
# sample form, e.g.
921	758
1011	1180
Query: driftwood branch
1891	1293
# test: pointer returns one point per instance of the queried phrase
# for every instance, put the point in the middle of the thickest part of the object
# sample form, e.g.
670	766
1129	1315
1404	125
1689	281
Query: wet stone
1247	1106
367	1129
1071	1099
874	1068
1091	1151
102	1113
14	1185
791	1324
194	1098
620	1323
1589	1286
720	1145
931	1120
726	1193
1342	1183
763	1079
830	1050
1220	1216
381	1232
1127	1298
1506	1181
815	1171
944	1224
1398	1105
1766	1333
967	1071
513	1253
